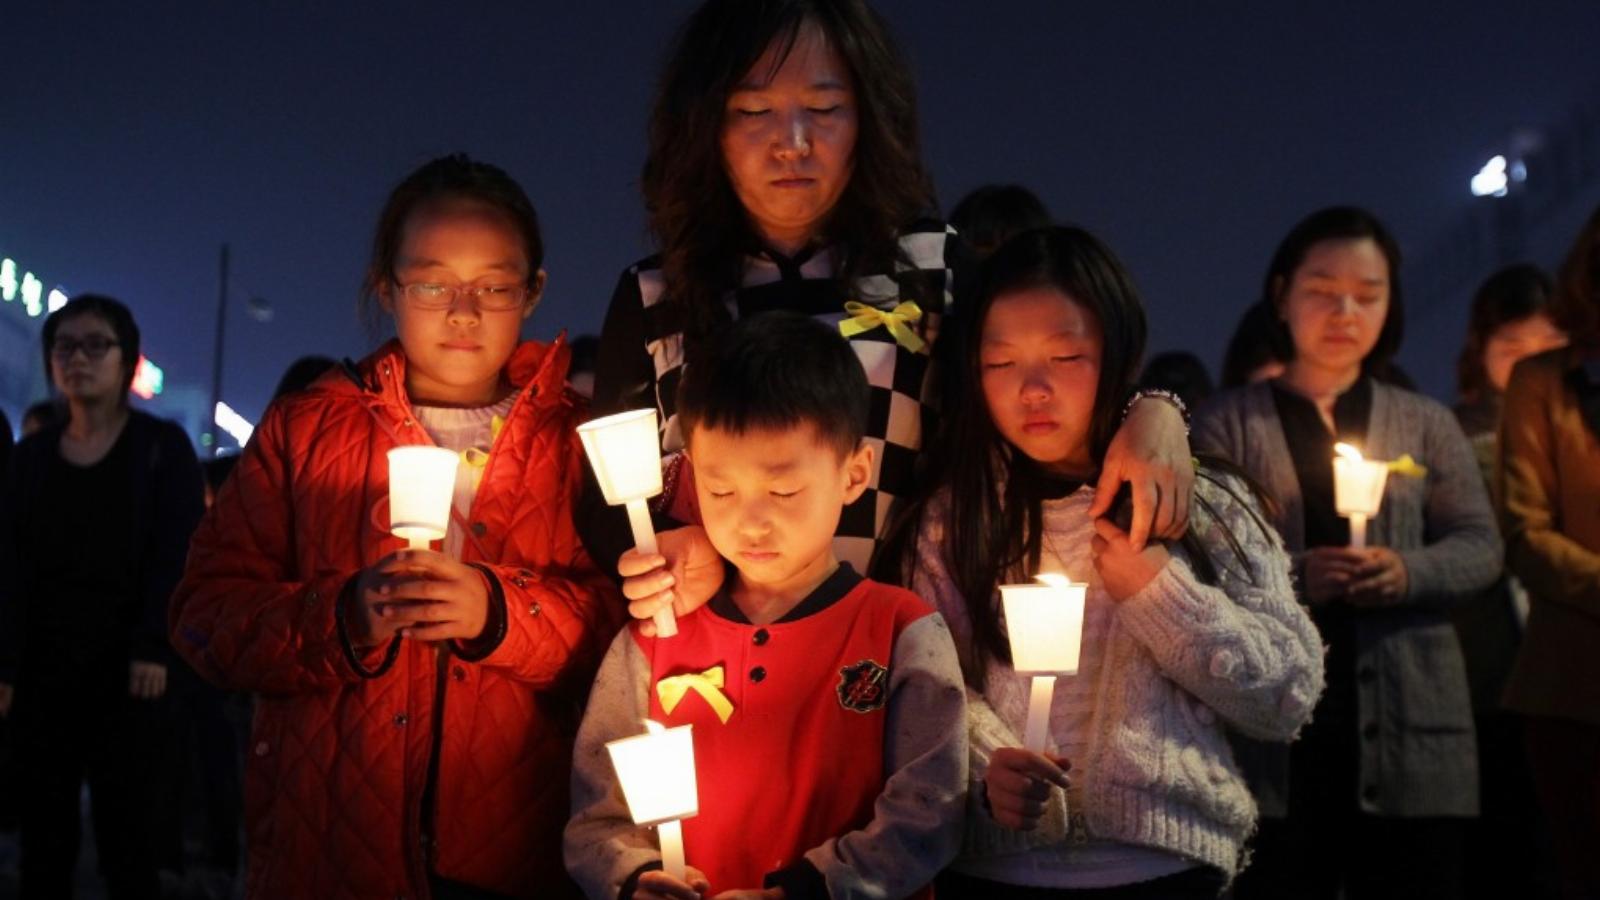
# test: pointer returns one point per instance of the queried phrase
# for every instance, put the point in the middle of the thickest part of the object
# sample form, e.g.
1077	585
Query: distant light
32	294
8	279
148	379
234	424
1519	171
56	300
1491	180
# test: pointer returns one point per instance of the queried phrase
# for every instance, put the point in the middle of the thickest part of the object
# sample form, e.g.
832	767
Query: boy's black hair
777	371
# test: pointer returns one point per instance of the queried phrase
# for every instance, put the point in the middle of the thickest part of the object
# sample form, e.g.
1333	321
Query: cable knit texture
1171	668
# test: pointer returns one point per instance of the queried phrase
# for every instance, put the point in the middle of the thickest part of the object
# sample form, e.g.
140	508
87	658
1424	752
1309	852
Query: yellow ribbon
478	457
708	684
865	318
1407	466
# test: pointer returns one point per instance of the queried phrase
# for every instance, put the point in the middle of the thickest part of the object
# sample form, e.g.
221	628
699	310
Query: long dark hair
453	177
1576	304
1337	223
995	519
1253	345
1510	295
697	220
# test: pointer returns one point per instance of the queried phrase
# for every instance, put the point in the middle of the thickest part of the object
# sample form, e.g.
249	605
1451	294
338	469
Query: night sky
138	137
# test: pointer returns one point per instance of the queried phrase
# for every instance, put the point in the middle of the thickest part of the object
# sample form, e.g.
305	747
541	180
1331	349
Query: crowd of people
870	419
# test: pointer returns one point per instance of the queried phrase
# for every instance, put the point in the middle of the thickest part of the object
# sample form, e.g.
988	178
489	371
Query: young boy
830	722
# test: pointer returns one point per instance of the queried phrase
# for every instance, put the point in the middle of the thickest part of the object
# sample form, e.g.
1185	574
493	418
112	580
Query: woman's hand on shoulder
1150	452
1124	569
687	573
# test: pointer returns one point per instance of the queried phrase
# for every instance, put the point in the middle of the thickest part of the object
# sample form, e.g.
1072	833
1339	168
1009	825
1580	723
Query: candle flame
1347	451
1054	579
651	727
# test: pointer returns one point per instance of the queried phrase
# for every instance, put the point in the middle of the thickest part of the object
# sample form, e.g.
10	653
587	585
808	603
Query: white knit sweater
1162	674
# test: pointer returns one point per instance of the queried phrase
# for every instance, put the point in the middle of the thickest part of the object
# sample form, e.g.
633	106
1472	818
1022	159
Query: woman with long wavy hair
785	172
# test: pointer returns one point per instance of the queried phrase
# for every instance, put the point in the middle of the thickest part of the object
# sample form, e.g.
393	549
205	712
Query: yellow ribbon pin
1408	467
708	684
897	321
478	457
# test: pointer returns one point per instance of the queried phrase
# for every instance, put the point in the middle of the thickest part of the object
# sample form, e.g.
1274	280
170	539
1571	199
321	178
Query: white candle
625	452
422	485
656	771
1357	489
1045	625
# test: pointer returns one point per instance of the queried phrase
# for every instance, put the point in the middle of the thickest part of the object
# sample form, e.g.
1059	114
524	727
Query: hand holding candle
625	452
1045	625
656	771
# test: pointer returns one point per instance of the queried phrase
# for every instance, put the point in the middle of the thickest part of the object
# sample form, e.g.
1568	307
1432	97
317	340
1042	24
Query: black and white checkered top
642	352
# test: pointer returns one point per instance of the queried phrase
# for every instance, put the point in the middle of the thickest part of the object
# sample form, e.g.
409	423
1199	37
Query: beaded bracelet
1159	394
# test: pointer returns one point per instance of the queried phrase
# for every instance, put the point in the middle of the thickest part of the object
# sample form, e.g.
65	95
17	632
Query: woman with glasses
96	520
784	171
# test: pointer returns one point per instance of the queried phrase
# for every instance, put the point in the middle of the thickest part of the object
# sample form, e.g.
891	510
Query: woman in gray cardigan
1387	769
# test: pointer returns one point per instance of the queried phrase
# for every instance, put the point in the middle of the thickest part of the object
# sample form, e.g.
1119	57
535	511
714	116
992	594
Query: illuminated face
1040	362
86	362
771	500
789	141
1336	302
1515	341
454	356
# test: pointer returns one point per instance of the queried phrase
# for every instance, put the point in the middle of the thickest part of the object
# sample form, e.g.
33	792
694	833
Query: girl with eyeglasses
96	517
415	712
784	171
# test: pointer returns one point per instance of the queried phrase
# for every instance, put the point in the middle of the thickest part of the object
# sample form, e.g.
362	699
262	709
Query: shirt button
401	719
479	529
1370	793
1367	674
408	423
533	609
311	598
758	673
458	673
262	749
1370	731
760	637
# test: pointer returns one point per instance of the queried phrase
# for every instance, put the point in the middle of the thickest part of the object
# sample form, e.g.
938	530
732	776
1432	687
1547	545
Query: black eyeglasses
94	348
493	297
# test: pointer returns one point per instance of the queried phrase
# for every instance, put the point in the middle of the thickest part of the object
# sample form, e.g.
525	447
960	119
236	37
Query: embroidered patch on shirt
863	687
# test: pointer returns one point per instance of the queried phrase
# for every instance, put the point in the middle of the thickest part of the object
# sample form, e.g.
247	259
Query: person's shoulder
161	430
887	599
1413	405
651	263
928	243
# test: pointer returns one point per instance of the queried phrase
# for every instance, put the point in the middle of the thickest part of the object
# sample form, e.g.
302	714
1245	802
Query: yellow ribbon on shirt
708	684
477	457
1408	467
897	321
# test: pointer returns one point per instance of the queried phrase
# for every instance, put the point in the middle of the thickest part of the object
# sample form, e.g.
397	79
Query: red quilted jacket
342	763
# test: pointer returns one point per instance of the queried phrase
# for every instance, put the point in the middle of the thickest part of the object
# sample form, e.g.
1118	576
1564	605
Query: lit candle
1357	489
422	484
625	452
656	770
1045	624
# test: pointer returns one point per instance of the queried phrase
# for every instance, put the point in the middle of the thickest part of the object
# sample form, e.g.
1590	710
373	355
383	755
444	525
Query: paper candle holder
656	771
1357	489
625	452
1045	626
422	485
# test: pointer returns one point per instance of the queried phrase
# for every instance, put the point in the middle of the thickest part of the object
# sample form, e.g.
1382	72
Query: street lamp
259	310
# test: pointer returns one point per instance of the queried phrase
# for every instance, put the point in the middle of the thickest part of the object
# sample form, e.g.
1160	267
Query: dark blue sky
1189	135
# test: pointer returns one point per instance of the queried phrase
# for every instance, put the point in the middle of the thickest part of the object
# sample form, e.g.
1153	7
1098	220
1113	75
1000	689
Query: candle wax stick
419	543
1358	530
671	834
644	539
1039	697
